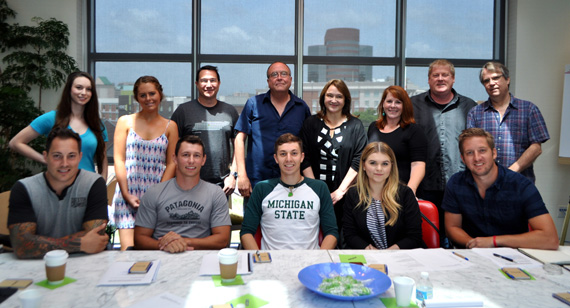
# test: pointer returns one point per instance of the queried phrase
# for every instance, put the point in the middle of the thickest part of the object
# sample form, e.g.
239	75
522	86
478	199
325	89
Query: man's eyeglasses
494	78
275	74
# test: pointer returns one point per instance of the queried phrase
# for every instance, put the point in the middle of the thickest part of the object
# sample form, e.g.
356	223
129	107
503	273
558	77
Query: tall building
340	42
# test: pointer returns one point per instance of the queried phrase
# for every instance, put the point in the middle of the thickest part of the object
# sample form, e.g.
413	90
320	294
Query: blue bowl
312	276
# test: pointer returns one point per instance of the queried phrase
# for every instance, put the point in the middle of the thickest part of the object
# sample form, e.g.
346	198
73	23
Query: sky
446	29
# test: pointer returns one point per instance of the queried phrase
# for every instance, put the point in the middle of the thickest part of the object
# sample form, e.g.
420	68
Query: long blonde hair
389	193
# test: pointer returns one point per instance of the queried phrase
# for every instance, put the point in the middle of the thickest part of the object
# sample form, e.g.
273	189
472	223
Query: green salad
344	286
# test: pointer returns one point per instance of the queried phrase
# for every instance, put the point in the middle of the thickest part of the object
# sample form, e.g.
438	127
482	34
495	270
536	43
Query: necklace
292	188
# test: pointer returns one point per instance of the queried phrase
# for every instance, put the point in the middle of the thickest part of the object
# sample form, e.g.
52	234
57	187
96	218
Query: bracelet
495	240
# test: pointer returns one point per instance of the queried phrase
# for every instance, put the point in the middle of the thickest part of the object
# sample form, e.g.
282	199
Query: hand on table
480	242
173	243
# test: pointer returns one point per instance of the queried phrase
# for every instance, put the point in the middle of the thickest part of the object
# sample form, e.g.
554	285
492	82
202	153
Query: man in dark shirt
488	205
213	121
442	113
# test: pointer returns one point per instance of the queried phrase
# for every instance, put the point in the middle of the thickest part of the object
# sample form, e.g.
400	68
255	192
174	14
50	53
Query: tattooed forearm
28	245
92	224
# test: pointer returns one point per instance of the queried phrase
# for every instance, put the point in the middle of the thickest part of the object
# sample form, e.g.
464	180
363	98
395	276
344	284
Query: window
247	27
142	26
449	29
466	36
364	28
362	42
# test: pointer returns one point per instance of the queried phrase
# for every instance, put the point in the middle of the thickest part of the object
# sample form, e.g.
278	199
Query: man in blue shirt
264	118
517	125
488	205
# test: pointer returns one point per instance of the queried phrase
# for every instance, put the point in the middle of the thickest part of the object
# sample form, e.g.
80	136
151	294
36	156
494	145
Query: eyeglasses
494	78
282	73
205	80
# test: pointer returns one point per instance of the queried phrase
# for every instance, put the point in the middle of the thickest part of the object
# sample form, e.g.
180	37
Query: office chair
430	223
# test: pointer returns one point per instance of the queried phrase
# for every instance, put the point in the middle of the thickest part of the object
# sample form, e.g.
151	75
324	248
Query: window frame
299	60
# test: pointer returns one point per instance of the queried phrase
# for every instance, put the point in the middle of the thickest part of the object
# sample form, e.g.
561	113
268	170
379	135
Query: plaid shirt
521	125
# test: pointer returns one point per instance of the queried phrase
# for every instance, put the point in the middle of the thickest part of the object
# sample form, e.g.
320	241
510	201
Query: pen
503	257
461	256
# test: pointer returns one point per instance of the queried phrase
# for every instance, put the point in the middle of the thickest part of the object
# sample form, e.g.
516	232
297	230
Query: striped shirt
375	220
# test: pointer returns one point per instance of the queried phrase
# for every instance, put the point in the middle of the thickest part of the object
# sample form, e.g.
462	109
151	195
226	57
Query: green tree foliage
17	110
34	57
38	55
368	116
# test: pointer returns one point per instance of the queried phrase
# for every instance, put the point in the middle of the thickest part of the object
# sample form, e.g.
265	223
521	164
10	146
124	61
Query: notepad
560	256
118	275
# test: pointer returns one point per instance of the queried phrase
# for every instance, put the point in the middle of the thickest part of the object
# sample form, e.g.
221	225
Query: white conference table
274	282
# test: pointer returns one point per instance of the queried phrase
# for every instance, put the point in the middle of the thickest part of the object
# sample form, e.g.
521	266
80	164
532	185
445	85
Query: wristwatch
235	174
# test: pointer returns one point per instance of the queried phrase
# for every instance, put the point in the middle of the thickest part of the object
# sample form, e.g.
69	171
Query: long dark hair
90	114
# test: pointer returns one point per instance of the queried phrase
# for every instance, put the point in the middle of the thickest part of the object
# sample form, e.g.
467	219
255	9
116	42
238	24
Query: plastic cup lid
56	257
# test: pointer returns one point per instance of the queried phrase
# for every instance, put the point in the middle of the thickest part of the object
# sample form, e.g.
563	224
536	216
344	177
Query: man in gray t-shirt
184	213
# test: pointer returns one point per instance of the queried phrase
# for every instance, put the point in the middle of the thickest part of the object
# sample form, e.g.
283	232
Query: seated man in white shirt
184	213
291	208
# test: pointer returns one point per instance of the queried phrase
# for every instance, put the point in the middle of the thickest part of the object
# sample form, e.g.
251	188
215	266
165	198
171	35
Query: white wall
538	49
68	11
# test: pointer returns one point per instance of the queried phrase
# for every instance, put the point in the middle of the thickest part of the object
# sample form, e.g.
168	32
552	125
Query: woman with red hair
397	128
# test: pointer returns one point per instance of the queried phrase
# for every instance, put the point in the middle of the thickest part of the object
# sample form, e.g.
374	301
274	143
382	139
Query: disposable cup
228	258
403	286
55	262
31	298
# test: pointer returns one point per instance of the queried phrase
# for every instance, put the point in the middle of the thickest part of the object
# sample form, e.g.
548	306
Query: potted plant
35	56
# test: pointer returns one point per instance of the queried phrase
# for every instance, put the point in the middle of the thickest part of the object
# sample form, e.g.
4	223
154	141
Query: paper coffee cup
228	258
31	298
55	261
403	287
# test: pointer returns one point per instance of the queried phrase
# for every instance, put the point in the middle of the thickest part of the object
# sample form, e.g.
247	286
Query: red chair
430	234
257	236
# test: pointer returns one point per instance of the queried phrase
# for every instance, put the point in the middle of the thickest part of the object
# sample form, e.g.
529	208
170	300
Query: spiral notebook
560	256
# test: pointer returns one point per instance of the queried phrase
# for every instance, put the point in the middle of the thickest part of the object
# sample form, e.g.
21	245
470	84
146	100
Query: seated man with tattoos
62	208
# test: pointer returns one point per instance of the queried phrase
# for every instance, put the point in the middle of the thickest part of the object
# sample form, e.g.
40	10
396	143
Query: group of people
308	181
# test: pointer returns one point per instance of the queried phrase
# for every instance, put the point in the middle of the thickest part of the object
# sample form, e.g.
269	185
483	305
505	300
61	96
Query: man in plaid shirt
517	125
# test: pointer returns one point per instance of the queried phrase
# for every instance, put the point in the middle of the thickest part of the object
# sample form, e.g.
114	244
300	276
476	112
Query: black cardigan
407	232
348	154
